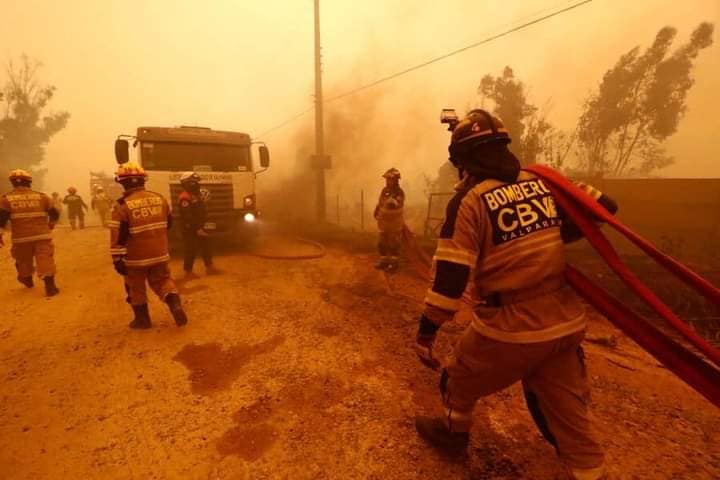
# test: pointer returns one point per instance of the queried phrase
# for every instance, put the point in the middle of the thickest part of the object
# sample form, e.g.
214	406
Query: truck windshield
178	157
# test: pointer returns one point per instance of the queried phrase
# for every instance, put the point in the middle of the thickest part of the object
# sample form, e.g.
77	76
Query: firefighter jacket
31	214
138	228
389	210
75	204
101	202
504	240
192	211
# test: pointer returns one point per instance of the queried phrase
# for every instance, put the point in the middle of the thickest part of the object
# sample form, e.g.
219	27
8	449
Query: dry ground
288	369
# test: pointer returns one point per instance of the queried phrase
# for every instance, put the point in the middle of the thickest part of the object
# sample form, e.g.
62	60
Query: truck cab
223	160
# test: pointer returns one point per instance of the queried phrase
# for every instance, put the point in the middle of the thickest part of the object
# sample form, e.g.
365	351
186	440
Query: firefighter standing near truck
504	235
76	208
139	246
193	215
390	221
32	216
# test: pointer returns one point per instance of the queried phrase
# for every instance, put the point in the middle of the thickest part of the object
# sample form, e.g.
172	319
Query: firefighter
57	203
390	222
101	203
75	206
32	216
503	235
139	245
191	204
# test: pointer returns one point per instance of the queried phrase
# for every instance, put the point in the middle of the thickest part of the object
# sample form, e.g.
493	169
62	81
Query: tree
638	105
25	126
528	129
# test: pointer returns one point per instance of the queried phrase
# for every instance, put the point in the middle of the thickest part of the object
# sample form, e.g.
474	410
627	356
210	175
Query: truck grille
220	204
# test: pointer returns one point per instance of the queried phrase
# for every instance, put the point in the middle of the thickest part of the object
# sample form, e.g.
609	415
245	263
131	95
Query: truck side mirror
264	156
122	151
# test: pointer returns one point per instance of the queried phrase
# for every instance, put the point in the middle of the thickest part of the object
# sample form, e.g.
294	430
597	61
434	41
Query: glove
120	267
425	341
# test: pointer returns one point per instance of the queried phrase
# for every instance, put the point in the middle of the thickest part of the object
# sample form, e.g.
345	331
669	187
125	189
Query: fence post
362	210
427	217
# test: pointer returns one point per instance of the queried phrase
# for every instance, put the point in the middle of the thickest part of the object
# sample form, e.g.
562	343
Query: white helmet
190	177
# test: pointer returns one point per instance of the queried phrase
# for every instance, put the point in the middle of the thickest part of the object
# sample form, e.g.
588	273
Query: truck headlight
249	217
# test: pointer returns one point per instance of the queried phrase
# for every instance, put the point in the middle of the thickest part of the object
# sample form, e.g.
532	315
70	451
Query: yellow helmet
129	170
20	174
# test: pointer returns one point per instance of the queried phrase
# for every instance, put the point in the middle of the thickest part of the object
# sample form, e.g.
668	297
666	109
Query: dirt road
287	369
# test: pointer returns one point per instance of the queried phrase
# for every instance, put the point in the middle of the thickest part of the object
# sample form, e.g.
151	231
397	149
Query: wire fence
355	212
351	211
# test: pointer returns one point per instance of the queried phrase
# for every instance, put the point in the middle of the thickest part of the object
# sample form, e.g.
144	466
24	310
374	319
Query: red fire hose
584	211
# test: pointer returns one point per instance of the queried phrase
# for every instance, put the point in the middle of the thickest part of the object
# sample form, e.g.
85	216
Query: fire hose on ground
321	252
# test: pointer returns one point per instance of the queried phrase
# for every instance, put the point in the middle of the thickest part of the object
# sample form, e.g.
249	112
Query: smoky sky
246	66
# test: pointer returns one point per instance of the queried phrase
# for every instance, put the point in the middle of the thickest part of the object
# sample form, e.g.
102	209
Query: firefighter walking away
139	246
32	217
503	235
193	215
390	221
76	208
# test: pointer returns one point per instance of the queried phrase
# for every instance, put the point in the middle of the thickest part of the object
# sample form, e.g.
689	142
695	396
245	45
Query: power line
434	60
455	52
289	120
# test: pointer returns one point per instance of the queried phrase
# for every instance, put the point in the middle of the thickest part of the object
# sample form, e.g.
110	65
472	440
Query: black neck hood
492	161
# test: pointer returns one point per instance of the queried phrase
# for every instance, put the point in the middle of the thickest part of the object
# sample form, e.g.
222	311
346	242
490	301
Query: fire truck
223	159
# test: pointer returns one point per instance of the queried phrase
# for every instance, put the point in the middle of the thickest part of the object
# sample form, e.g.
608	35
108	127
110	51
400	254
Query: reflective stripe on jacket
505	238
138	228
29	214
389	210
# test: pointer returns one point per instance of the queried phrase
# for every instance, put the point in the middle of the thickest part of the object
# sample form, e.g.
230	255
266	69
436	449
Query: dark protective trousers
194	244
390	244
76	218
157	276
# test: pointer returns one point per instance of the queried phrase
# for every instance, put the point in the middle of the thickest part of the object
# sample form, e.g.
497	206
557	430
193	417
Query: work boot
435	432
27	281
142	317
50	288
173	301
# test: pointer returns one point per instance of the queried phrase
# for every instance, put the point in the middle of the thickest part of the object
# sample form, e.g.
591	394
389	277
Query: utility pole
320	159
